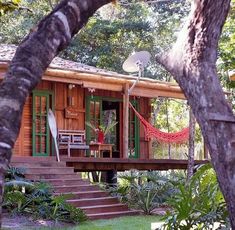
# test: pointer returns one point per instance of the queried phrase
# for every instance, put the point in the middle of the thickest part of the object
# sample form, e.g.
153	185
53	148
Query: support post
125	120
192	123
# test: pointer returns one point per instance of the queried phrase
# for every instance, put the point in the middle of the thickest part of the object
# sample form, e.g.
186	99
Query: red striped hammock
150	131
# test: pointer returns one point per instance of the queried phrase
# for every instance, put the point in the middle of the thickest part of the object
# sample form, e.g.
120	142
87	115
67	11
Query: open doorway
110	114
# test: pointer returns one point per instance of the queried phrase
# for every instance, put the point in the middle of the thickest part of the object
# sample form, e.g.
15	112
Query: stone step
59	182
45	175
86	194
93	201
109	215
75	188
104	208
49	170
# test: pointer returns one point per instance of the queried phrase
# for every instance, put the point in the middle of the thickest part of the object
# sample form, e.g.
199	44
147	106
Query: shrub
25	197
143	190
197	205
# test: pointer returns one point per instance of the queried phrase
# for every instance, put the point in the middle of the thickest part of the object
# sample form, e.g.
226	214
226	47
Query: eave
146	87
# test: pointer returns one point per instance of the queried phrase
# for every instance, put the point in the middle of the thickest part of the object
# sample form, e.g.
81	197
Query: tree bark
191	145
192	63
32	58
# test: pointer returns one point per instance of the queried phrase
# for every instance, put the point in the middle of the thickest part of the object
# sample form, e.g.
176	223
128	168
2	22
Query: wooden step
62	181
86	194
75	188
110	215
93	201
38	164
32	159
90	198
36	176
104	208
50	170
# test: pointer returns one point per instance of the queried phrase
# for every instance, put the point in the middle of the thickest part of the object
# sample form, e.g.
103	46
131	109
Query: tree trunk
2	178
192	63
32	58
191	145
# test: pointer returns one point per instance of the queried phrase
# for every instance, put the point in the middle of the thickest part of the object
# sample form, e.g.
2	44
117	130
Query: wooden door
41	134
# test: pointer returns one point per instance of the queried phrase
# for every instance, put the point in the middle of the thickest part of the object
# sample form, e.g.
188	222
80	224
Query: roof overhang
145	87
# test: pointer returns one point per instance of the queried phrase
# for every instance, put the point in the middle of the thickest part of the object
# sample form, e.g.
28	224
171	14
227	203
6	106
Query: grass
140	222
128	223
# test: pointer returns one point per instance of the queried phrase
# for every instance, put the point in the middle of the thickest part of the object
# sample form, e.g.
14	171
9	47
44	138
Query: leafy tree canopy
6	6
111	35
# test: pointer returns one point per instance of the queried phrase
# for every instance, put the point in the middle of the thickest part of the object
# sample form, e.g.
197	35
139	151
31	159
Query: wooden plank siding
23	145
61	102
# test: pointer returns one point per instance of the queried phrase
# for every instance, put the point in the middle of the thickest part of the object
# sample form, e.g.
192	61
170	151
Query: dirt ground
25	223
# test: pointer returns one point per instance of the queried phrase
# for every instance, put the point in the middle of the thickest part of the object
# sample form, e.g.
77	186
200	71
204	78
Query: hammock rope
150	131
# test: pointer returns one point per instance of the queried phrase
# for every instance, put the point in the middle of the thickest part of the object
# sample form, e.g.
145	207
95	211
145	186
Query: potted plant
102	131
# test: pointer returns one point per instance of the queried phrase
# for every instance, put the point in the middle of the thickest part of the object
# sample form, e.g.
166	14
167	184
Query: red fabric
100	136
150	131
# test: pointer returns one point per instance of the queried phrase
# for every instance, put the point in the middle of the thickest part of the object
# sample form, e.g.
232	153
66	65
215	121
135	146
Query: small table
99	148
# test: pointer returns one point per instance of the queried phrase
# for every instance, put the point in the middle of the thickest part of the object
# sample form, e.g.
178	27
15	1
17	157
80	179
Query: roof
8	51
61	70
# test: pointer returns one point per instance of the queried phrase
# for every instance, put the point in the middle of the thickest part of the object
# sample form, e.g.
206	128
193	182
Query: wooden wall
23	145
62	93
145	111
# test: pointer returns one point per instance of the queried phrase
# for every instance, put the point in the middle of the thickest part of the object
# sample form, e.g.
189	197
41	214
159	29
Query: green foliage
143	196
14	173
111	35
227	41
17	24
106	129
7	6
197	205
143	190
172	115
14	201
36	199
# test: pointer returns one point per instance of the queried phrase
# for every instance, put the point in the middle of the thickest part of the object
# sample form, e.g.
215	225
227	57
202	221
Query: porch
84	164
106	164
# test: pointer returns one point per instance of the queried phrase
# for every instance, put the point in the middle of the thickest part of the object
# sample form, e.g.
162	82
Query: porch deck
102	164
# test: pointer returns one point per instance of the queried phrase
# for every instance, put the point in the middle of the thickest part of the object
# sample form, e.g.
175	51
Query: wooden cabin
77	93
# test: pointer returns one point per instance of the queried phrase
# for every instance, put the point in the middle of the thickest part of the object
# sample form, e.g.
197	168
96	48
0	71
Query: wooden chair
72	139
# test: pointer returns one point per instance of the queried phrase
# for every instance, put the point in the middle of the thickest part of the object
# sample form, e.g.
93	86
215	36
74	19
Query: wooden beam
62	80
125	120
154	93
102	164
103	86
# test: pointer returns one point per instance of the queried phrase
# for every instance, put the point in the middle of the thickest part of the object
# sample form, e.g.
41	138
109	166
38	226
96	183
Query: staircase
96	203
